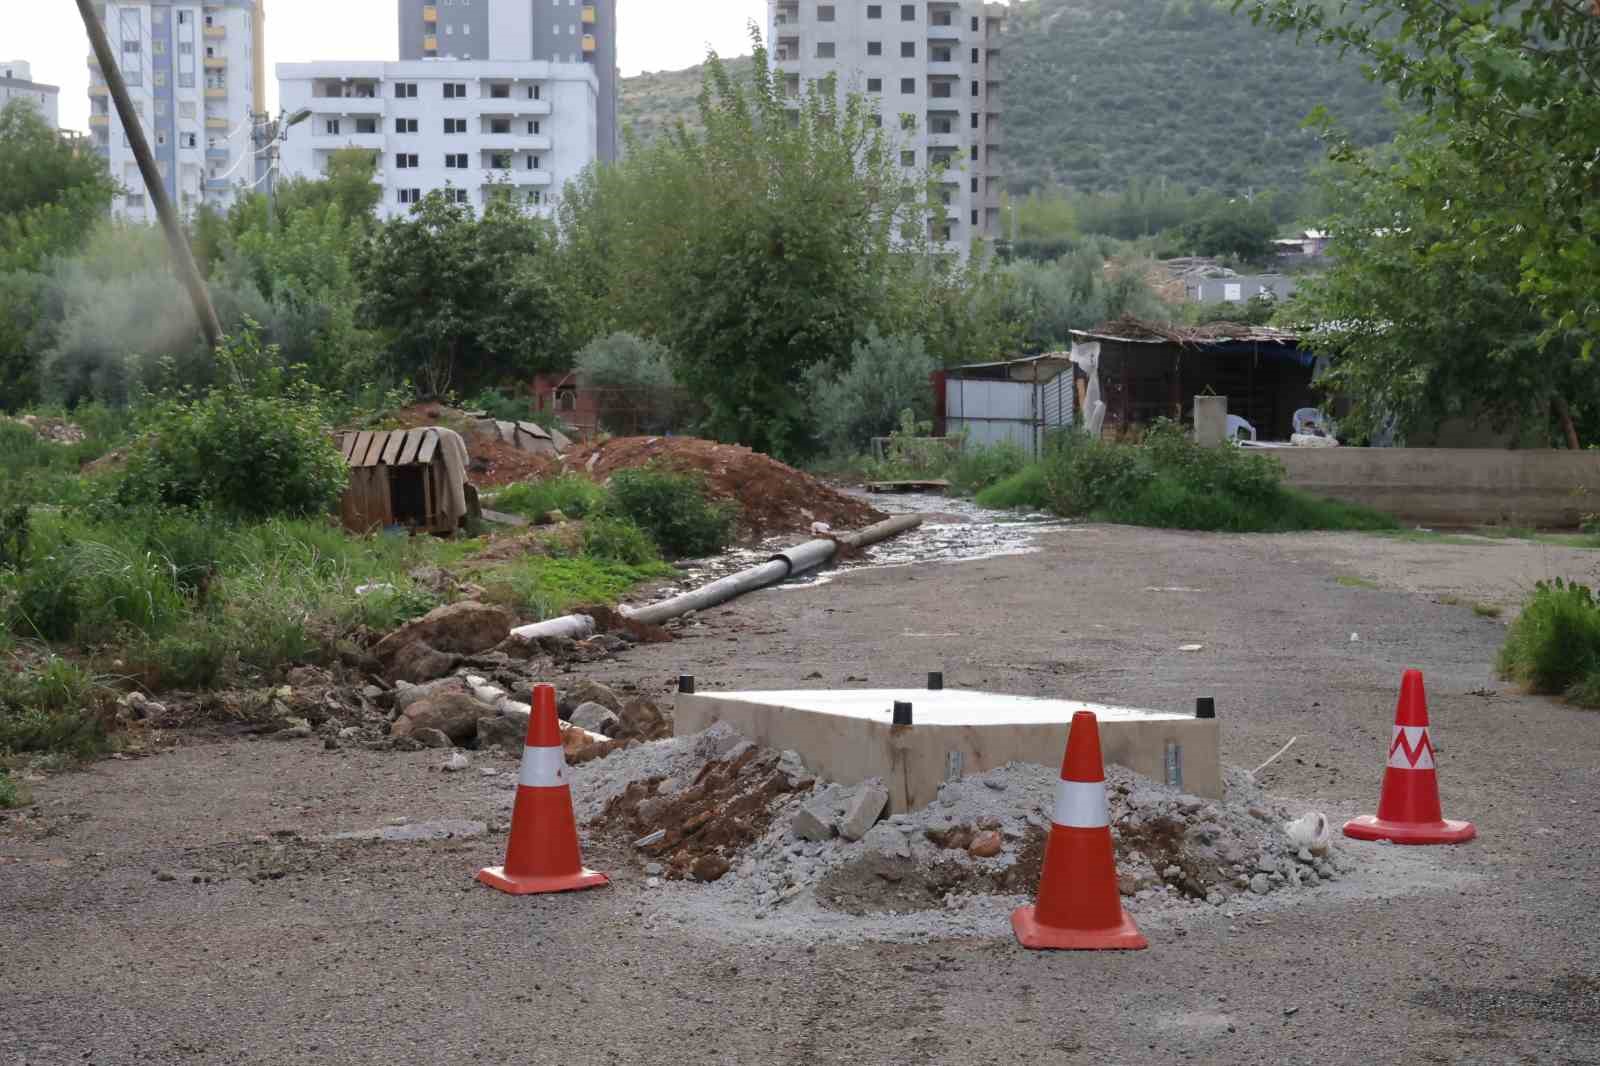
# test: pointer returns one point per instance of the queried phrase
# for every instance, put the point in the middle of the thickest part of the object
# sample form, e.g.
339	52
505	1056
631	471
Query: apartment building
16	83
932	70
194	70
467	126
549	31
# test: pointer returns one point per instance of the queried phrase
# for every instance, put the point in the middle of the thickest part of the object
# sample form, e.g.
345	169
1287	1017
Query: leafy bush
10	795
977	467
500	406
886	377
1553	647
625	361
619	539
1025	489
53	705
572	494
672	509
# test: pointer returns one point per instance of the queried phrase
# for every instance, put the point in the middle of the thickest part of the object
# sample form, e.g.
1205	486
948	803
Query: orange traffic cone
1078	905
1408	808
542	854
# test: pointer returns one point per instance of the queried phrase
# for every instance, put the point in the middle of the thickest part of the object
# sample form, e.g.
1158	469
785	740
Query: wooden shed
413	478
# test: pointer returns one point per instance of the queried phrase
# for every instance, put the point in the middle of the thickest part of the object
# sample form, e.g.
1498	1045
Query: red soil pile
771	497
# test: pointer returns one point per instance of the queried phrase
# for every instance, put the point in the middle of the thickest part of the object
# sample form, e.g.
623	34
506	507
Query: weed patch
1553	647
545	588
672	509
572	494
51	705
1350	581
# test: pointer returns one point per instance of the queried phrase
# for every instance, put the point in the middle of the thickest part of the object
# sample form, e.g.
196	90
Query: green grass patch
546	587
1024	490
51	705
10	792
572	494
1350	581
1553	647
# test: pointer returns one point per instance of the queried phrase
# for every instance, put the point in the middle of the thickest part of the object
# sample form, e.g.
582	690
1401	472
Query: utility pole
131	125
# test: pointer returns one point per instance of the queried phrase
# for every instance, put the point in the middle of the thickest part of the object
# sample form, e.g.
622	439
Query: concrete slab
848	735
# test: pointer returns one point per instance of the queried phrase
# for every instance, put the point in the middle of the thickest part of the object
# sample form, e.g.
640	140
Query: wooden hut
412	478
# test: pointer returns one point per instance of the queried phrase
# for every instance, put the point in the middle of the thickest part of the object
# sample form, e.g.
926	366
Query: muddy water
956	530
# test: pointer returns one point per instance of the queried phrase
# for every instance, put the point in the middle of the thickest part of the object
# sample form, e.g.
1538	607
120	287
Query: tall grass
1169	482
1553	647
572	494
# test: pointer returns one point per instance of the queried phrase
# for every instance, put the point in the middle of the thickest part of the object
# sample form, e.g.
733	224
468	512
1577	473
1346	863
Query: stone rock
813	822
1127	884
1260	885
886	839
864	808
708	867
996	783
596	718
1305	855
294	732
502	732
406	693
455	714
584	691
463	628
654	869
1215	898
986	845
418	662
431	738
641	718
457	761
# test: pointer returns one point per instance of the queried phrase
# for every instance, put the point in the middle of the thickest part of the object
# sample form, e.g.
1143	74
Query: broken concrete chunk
595	717
886	839
502	731
814	822
457	761
453	713
864	808
986	845
431	738
584	691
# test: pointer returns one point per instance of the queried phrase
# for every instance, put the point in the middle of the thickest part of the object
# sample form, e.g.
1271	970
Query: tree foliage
1488	216
462	300
51	194
756	249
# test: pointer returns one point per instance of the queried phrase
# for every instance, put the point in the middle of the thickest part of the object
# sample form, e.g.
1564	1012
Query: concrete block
1210	420
864	809
813	822
847	736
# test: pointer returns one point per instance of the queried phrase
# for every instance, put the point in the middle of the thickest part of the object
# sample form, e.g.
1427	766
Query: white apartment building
931	68
194	70
16	83
468	127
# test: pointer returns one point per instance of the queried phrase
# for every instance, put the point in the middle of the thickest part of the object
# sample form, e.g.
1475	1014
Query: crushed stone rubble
778	844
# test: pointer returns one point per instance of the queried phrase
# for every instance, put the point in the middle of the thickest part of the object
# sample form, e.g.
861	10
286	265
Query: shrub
1553	647
53	705
572	494
619	539
886	376
672	509
10	795
1025	489
500	406
625	361
977	467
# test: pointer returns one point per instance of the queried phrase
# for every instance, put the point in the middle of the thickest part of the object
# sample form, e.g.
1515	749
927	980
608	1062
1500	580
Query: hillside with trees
1097	93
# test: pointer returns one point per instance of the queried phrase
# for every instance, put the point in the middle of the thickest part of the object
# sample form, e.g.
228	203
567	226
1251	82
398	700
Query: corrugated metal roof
1131	330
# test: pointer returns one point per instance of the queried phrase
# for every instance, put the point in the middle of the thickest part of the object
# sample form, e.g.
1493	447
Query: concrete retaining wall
1453	486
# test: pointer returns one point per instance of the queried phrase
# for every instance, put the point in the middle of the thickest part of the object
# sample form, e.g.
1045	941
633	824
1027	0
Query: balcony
216	122
220	154
218	184
430	13
588	43
430	43
216	63
98	88
215	33
98	121
213	93
949	139
520	179
589	15
514	109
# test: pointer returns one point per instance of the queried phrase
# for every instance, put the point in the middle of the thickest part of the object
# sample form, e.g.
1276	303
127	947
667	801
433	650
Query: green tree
462	300
755	249
51	193
1511	90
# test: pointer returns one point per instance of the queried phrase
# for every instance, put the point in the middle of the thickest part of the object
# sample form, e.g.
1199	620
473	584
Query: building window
875	120
500	91
409	196
186	48
974	88
331	127
908	85
535	196
499	125
824	49
974	57
874	85
500	161
366	125
458	196
406	161
405	90
908	158
455	125
908	122
908	49
874	11
455	90
974	24
405	125
533	92
533	128
184	17
908	12
188	140
824	12
136	199
974	217
874	48
974	120
457	161
974	153
186	109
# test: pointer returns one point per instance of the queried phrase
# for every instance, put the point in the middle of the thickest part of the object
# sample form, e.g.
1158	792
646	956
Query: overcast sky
654	35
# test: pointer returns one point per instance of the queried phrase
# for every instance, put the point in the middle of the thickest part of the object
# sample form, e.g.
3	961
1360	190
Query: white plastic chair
1311	421
1235	424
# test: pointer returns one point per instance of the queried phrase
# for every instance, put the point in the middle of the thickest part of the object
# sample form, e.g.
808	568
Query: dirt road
266	946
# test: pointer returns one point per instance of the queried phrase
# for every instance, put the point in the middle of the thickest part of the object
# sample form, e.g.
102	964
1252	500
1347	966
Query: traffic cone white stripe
1411	748
1081	805
542	768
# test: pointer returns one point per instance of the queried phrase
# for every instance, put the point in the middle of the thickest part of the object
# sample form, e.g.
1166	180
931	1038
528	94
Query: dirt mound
772	497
